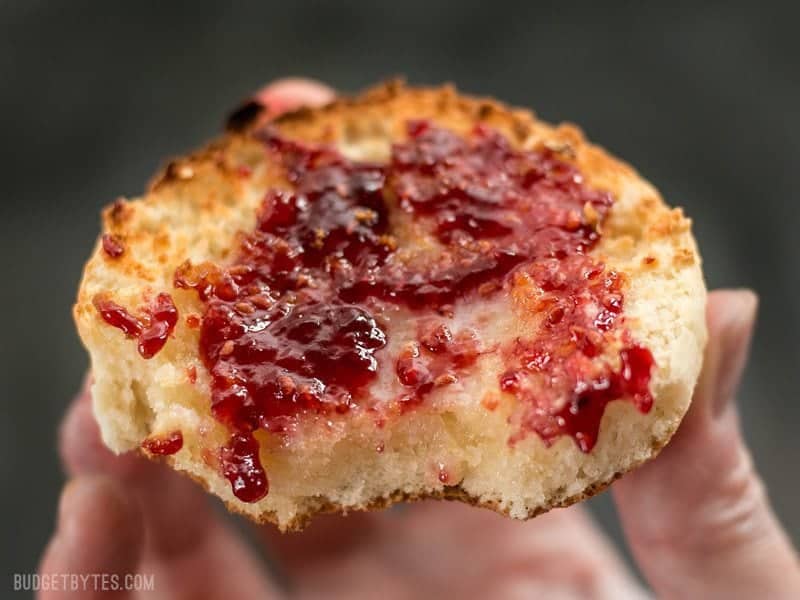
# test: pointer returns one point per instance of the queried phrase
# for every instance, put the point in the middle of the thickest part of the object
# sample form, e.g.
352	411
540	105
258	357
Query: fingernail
736	321
288	94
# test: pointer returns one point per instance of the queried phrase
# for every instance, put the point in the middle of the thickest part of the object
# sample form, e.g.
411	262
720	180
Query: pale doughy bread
194	209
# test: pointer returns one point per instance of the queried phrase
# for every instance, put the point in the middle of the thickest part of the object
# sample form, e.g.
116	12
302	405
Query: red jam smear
164	445
112	245
491	206
241	466
581	414
562	374
436	359
294	325
151	330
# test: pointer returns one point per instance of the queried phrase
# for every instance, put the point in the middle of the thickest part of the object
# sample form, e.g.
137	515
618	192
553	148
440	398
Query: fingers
80	446
288	94
183	542
559	554
218	565
99	531
176	511
101	543
447	549
697	517
326	536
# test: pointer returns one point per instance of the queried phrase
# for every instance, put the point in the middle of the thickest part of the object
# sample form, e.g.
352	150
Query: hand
696	518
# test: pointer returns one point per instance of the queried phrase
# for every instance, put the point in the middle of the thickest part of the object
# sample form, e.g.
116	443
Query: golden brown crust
642	238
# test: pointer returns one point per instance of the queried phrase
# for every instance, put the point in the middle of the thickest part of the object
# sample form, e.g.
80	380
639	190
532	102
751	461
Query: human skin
696	518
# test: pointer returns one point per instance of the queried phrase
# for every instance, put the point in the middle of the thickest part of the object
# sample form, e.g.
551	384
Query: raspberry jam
151	330
241	466
581	413
297	324
563	374
435	360
164	445
112	246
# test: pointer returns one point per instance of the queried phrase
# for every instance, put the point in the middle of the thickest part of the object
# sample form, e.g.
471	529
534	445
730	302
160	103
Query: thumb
697	518
100	536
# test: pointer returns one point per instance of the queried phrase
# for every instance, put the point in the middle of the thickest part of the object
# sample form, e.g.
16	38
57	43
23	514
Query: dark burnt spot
485	110
244	117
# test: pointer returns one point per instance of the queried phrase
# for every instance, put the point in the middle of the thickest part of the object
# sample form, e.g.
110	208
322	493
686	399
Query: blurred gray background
704	98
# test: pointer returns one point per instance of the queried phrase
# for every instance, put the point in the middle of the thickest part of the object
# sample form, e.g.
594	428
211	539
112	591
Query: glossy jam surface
164	445
491	207
567	371
151	330
436	359
586	394
297	324
241	466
